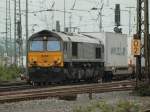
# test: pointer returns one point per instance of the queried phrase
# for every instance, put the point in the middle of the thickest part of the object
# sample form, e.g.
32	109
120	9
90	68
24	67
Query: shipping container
115	48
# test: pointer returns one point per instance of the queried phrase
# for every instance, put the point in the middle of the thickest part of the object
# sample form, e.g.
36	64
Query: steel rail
34	90
63	91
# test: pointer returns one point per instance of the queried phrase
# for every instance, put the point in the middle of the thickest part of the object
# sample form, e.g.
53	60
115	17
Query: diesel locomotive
55	57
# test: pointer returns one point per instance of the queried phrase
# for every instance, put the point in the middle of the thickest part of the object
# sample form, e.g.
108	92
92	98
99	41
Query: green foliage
143	89
126	106
122	106
9	73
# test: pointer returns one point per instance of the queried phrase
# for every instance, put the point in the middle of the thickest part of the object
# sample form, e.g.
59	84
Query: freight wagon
115	52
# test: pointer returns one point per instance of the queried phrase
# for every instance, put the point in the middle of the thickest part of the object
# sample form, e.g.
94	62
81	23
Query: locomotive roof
74	37
41	33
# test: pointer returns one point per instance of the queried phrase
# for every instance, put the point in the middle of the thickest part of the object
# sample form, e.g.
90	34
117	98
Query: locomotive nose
46	59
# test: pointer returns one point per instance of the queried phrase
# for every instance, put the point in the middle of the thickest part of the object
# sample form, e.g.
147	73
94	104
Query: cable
74	4
48	10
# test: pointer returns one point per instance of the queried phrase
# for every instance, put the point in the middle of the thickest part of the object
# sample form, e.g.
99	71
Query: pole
129	21
10	18
146	38
70	22
130	18
20	37
139	22
52	19
10	31
6	44
64	15
100	24
15	52
143	32
100	14
26	37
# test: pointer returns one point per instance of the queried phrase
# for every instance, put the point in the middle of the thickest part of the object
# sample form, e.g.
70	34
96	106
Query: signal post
136	51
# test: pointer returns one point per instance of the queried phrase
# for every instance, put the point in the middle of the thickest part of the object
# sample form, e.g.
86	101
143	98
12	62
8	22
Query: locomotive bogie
83	71
49	75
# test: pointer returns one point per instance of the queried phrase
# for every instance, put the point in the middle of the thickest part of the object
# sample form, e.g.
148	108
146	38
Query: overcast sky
87	21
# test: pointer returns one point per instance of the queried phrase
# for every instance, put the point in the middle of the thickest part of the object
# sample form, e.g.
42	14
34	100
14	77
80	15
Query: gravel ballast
55	105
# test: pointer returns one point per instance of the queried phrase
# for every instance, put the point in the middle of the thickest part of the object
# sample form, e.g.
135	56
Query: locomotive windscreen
53	45
36	46
45	44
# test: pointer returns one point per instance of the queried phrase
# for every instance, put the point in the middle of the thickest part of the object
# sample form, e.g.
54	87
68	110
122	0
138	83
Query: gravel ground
55	105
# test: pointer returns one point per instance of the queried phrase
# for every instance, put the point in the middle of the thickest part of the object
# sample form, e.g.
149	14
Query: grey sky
85	20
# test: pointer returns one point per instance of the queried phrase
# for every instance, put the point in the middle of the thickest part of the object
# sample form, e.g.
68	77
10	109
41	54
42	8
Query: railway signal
136	47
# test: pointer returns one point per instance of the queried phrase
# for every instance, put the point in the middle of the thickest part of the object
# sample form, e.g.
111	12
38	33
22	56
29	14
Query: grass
121	106
9	73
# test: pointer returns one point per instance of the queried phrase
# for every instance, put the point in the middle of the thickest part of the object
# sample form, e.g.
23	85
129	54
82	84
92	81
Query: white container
115	48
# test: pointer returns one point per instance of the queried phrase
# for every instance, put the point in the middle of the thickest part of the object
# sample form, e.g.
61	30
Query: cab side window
98	53
74	49
65	47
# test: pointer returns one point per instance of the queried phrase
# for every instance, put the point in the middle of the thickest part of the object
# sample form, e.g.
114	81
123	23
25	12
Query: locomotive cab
45	56
45	52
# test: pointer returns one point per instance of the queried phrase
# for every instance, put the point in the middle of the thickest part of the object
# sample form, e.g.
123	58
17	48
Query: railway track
10	83
40	93
15	88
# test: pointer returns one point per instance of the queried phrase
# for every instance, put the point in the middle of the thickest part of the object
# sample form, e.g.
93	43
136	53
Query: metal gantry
143	35
18	47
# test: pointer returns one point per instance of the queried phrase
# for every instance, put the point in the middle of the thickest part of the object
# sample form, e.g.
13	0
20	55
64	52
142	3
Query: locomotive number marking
44	55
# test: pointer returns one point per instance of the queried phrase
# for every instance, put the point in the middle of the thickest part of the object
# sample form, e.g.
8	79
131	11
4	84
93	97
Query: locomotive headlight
57	61
45	38
34	60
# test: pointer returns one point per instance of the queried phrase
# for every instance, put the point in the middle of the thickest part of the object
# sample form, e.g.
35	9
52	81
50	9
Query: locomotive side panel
87	52
85	61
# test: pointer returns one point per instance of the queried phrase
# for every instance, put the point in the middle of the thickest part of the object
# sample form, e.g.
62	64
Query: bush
9	73
122	106
143	89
